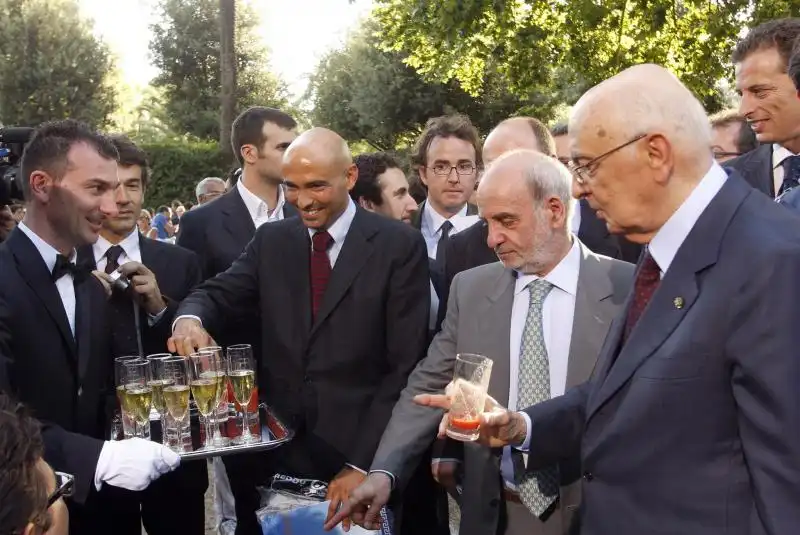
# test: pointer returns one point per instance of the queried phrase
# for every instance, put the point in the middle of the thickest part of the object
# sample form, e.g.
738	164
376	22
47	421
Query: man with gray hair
541	314
690	421
209	189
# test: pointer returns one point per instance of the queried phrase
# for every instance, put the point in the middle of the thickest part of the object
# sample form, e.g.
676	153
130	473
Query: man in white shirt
547	306
770	104
690	421
55	352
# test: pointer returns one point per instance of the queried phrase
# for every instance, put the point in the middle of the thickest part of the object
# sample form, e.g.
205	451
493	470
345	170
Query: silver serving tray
273	435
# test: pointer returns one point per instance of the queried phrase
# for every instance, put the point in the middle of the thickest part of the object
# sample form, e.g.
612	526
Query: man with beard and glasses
341	296
55	351
167	273
770	104
541	314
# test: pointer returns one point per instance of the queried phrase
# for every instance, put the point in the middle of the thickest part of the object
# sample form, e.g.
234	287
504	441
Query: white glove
133	463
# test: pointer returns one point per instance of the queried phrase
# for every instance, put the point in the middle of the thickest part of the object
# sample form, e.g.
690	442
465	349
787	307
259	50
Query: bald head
319	145
518	133
646	99
318	173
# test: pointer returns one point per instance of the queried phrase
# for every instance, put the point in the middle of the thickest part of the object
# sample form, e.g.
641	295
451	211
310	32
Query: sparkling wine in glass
221	413
176	393
128	423
242	374
158	382
205	382
138	392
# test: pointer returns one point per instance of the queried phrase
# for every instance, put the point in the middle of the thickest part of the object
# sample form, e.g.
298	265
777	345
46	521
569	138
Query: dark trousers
422	508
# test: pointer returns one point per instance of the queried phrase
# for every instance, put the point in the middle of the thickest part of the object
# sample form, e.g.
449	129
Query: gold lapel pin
678	302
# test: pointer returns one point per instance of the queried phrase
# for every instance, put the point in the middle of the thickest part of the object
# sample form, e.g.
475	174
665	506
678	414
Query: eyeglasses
65	483
585	172
724	154
462	169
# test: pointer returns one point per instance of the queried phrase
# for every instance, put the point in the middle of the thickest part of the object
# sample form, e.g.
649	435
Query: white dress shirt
130	250
558	312
258	209
64	285
338	231
779	154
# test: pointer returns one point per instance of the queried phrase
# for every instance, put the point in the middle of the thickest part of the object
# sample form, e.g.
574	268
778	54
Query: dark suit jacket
64	381
468	249
756	168
692	426
416	218
177	272
335	380
219	232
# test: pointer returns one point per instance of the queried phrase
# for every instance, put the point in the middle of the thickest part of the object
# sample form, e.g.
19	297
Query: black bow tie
64	267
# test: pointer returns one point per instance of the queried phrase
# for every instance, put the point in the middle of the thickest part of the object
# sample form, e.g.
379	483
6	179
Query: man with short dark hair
732	135
771	106
382	187
171	272
55	350
32	503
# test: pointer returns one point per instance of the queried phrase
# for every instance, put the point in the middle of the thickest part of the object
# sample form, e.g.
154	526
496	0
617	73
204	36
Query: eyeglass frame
578	170
725	154
450	169
65	488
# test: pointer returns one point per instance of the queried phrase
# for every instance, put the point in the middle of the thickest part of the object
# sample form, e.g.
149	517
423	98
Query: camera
12	145
120	283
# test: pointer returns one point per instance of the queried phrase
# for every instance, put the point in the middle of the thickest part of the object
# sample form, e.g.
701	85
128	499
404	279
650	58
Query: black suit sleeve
191	236
232	293
407	311
66	452
557	428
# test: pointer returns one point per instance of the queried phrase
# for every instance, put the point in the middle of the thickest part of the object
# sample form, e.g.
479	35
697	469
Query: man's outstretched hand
499	426
363	506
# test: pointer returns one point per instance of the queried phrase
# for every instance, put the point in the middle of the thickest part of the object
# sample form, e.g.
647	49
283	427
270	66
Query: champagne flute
176	393
128	422
242	374
157	383
139	393
204	385
220	414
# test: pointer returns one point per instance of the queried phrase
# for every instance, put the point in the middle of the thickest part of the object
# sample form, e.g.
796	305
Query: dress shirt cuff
189	316
437	460
391	476
526	444
152	319
356	468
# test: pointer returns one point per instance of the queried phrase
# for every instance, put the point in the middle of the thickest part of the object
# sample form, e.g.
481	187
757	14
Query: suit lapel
237	221
32	268
495	328
83	324
592	318
298	277
354	254
661	317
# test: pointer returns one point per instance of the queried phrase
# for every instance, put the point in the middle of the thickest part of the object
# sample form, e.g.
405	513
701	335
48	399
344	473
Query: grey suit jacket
479	321
692	425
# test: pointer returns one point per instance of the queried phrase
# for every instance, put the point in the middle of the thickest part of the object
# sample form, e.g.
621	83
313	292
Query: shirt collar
434	219
779	154
564	276
341	226
47	251
669	238
256	205
130	246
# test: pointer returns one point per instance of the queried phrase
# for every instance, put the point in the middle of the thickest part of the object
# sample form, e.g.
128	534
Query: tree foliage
367	93
186	49
533	42
51	65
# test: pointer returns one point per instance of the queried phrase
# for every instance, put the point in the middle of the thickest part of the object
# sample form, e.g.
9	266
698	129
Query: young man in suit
547	307
699	358
55	352
770	104
175	272
342	329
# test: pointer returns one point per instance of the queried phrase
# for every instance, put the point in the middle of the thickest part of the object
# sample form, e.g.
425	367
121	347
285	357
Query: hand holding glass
467	395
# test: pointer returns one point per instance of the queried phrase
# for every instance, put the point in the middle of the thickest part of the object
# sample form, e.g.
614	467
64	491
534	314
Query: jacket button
588	476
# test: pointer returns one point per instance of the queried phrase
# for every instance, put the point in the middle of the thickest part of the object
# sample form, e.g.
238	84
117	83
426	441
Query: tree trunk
227	20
